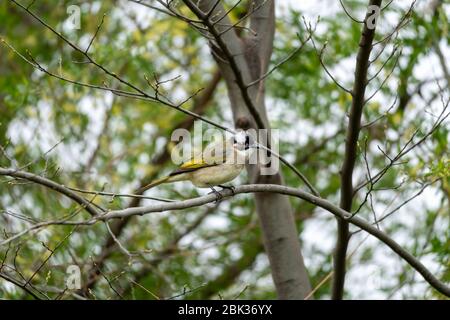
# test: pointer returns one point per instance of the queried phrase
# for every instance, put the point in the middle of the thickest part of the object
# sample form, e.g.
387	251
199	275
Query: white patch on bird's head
243	141
244	146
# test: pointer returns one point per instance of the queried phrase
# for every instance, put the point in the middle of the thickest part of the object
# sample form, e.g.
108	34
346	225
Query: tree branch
324	204
84	203
358	93
252	188
328	206
223	41
201	102
141	94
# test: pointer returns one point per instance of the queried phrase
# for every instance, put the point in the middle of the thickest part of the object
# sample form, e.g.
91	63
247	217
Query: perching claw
231	188
218	195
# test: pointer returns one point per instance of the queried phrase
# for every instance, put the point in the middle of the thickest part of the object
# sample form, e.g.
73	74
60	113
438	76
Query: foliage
94	140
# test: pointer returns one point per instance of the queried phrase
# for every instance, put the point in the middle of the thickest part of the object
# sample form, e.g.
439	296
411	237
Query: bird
219	163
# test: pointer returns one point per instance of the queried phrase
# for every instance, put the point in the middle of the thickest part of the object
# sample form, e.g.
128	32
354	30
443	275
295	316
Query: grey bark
252	55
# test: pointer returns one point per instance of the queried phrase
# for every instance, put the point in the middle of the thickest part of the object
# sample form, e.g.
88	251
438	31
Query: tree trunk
252	56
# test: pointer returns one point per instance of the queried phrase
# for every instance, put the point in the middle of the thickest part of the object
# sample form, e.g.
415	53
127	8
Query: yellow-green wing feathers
188	166
198	161
194	164
191	165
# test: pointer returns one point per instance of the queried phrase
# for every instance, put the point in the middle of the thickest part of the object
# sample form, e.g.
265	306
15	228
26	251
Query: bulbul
219	163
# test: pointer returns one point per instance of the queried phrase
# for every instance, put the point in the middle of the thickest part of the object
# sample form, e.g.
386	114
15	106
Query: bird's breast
213	176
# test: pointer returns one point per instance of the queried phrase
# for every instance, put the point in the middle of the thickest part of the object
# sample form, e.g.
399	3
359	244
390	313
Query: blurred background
93	140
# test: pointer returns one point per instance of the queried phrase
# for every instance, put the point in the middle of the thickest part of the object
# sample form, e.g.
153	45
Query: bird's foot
231	188
219	197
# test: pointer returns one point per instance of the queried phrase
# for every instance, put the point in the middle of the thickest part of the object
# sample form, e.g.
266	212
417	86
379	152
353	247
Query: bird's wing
199	162
191	165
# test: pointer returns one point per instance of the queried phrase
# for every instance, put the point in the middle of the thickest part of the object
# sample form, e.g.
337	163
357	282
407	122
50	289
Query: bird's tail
153	184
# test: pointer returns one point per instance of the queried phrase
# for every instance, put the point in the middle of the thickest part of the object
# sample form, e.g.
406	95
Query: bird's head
244	143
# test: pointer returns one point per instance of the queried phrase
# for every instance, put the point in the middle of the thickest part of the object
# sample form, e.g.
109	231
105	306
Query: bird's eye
234	140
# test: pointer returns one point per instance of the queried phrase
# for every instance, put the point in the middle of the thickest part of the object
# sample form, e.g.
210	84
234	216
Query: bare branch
200	104
230	58
148	5
283	61
328	206
51	185
402	23
322	63
141	94
17	283
118	195
348	13
96	32
179	205
409	145
354	126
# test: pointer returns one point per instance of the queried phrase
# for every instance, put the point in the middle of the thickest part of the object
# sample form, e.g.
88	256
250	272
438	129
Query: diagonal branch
140	93
320	202
252	188
88	206
239	68
230	57
201	102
